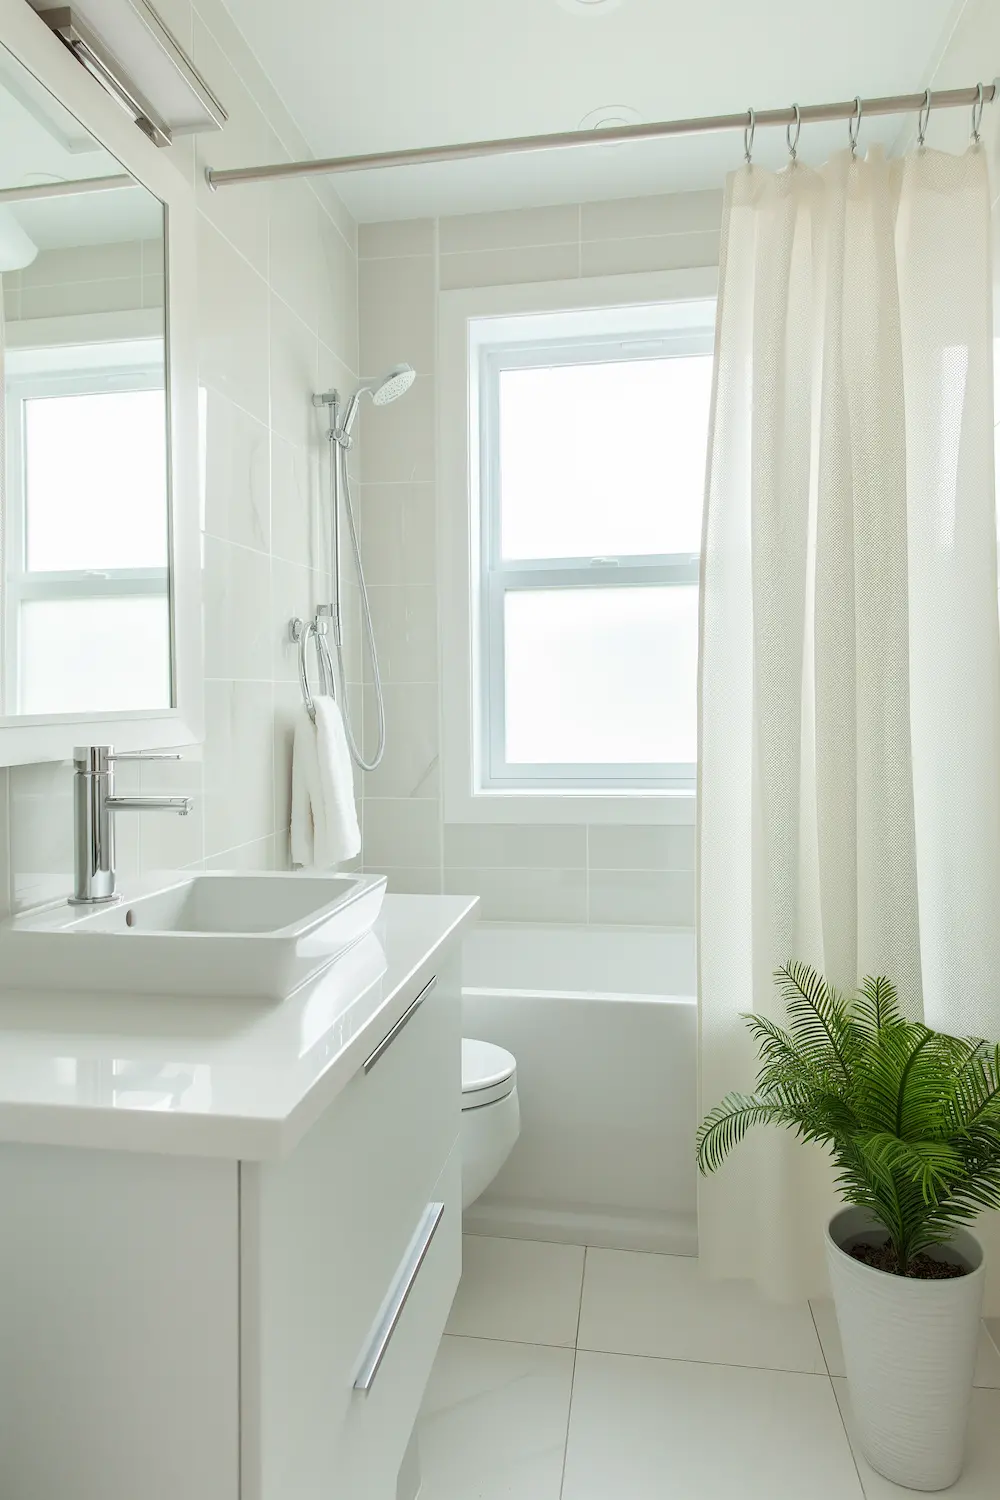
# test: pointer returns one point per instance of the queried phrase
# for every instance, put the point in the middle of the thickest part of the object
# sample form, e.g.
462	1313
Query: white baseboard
607	1229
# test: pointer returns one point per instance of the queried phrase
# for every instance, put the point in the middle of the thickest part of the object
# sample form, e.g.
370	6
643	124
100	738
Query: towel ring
300	632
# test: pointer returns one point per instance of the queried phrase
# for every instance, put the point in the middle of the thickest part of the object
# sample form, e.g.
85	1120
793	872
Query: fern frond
877	1006
818	1018
726	1125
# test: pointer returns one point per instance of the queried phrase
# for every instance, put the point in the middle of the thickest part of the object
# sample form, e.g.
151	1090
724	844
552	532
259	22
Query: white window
592	463
574	431
86	620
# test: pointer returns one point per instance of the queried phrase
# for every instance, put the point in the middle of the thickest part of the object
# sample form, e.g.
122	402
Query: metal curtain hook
749	130
793	140
854	127
923	118
977	115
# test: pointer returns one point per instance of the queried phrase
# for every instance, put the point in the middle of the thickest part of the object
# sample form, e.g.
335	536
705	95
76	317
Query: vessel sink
258	936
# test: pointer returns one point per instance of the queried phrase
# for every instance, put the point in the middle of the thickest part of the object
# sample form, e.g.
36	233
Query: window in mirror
84	530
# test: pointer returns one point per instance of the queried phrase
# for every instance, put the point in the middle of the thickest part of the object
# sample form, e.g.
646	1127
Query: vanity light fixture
127	48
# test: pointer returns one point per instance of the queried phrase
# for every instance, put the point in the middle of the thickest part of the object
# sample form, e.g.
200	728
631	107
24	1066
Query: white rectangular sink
258	936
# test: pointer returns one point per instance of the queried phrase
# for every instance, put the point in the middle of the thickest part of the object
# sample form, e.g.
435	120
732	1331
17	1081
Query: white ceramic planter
910	1352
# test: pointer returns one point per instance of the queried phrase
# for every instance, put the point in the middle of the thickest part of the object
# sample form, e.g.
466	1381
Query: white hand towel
325	828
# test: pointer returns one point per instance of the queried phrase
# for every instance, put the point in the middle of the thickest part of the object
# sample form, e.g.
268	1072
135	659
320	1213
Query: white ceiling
374	75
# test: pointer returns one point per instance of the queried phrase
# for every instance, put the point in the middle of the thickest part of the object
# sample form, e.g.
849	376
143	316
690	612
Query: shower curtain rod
892	104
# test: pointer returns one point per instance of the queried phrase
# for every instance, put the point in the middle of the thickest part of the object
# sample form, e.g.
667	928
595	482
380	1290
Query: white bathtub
602	1022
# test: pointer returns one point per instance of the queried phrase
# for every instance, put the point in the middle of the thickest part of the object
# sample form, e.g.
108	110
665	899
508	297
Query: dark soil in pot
922	1267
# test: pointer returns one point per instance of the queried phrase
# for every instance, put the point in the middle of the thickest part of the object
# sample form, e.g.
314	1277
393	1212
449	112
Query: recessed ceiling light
590	7
609	117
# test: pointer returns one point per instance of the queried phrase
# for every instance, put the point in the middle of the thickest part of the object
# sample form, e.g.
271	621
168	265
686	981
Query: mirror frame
25	739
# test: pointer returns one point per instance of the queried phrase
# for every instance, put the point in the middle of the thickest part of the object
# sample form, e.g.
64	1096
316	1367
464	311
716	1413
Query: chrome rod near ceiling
807	114
65	189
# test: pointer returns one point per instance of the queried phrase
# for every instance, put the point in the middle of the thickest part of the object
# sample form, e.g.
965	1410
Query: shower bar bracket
806	114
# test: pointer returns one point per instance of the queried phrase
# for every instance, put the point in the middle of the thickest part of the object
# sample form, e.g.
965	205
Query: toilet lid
488	1073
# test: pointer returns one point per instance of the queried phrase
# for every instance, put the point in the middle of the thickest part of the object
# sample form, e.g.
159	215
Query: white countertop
224	1078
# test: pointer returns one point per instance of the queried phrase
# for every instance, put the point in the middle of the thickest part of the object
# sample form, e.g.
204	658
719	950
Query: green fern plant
911	1116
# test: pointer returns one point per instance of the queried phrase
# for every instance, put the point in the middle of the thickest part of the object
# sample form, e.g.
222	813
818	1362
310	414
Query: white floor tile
520	1290
648	1429
979	1479
662	1305
493	1422
987	1358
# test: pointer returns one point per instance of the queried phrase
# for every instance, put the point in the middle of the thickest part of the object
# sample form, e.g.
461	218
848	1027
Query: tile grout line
572	1378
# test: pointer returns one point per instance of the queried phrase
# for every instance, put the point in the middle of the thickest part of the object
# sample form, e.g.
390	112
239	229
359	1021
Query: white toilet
491	1114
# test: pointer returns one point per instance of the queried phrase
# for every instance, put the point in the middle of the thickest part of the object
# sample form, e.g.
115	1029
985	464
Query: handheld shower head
391	386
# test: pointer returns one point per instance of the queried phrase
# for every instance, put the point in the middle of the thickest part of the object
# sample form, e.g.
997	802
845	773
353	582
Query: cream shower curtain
849	793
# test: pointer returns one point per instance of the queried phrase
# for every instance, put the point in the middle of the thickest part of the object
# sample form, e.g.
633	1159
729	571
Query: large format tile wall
574	872
277	320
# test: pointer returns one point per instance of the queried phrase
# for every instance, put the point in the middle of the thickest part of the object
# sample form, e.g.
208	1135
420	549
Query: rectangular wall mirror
92	513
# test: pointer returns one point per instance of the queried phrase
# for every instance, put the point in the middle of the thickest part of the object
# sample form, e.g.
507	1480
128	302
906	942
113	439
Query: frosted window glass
94	655
603	459
96	474
601	676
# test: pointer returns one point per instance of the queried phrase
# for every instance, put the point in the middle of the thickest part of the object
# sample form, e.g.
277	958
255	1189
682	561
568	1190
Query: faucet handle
138	755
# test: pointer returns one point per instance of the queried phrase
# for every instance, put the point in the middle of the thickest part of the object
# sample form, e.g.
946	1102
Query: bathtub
603	1024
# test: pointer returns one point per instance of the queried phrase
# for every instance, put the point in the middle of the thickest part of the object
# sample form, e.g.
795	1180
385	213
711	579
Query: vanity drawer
399	1351
323	1234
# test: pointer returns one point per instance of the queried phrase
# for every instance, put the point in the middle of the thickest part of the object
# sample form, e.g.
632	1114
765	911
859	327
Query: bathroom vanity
230	1231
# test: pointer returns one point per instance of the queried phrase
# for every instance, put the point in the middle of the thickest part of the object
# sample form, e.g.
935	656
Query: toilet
491	1114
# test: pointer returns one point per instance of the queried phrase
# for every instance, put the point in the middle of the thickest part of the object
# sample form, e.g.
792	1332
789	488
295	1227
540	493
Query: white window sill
530	806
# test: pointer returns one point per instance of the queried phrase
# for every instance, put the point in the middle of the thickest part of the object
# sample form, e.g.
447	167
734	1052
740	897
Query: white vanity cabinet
331	1243
190	1296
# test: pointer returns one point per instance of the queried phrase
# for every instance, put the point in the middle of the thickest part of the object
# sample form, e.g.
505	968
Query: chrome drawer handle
405	1282
404	1020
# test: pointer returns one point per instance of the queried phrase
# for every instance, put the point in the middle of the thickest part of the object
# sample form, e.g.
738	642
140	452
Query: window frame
69	377
498	577
622	300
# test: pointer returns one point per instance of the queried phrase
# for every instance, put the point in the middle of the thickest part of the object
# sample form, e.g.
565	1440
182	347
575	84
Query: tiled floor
605	1375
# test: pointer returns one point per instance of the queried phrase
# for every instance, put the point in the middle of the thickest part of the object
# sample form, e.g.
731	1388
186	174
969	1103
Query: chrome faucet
94	807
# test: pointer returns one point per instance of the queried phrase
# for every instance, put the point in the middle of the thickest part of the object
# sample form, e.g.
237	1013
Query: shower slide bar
746	120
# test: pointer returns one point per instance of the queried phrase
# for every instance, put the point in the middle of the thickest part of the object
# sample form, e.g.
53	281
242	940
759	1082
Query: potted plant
912	1120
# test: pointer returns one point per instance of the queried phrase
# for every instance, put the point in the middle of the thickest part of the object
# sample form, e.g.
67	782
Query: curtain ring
977	115
793	140
923	118
749	131
854	127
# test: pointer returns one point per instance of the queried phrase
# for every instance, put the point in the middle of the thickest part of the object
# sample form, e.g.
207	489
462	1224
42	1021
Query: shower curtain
849	784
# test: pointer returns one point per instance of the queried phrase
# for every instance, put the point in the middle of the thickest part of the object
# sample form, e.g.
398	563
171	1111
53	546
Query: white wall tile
397	306
239	764
233	324
398	540
669	252
235	478
294	372
401	831
410	766
405	622
500	845
396	237
527	895
644	898
512	229
504	267
671	213
639	846
296	261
